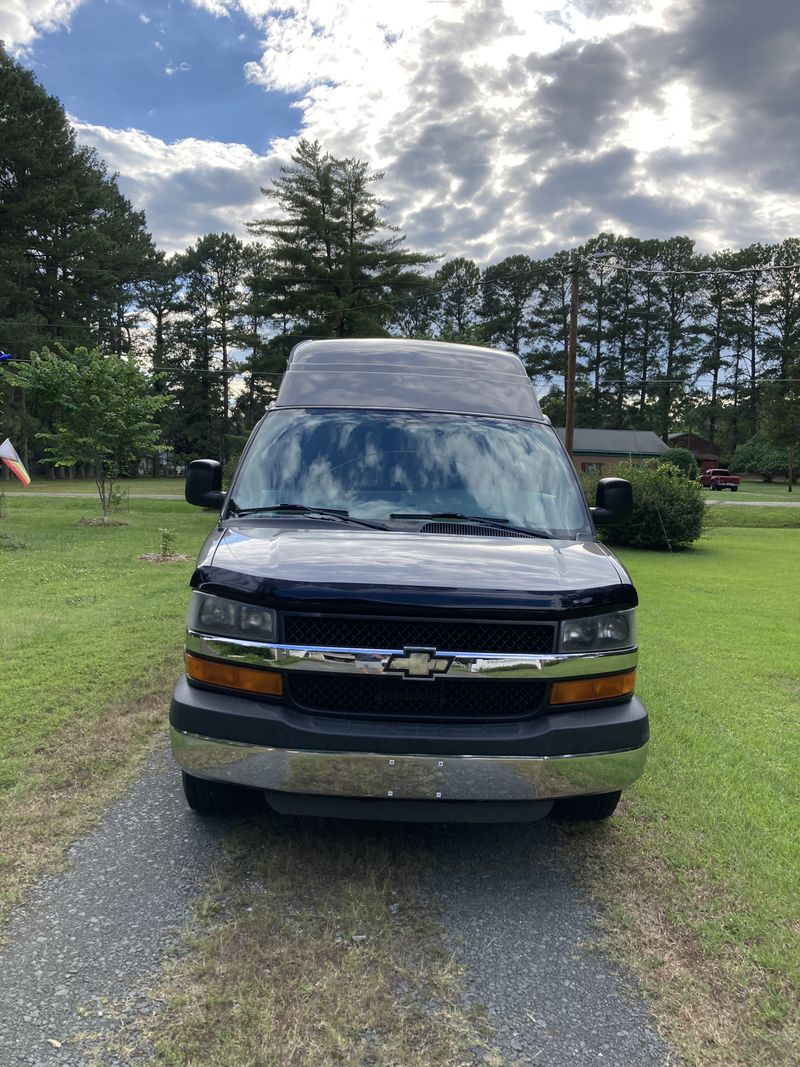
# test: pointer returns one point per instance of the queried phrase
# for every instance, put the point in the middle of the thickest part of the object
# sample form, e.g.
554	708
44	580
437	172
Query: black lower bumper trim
226	717
472	811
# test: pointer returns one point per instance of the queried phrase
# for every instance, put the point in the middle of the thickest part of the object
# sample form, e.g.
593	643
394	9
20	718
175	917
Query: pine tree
458	283
508	287
337	265
72	244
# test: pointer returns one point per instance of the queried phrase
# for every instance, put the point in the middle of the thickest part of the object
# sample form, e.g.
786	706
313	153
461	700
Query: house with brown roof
704	451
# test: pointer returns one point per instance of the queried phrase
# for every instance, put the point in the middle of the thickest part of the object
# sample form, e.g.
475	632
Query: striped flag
9	456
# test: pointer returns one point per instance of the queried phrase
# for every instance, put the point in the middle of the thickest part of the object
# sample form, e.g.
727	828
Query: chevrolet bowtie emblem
418	663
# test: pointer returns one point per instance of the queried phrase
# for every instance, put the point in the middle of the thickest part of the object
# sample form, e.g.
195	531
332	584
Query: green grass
698	872
89	633
757	490
702	864
748	518
161	486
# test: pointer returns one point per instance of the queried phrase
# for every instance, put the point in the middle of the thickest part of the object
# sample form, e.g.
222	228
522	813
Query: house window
592	468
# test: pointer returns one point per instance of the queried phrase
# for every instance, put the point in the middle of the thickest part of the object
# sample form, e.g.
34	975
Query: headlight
229	618
599	633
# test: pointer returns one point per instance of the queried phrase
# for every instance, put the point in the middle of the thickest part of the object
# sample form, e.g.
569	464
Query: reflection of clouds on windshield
372	463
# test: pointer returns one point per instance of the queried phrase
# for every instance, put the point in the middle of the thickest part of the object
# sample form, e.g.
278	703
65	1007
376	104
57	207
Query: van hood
329	568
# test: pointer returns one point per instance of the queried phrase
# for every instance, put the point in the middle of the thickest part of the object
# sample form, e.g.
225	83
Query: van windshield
375	464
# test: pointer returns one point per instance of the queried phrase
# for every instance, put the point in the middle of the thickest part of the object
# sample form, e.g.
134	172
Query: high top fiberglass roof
400	374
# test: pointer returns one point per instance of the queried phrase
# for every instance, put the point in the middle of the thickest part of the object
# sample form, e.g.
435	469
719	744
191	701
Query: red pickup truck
717	478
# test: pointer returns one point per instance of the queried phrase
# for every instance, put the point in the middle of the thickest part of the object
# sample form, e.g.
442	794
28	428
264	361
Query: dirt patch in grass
712	1002
157	557
310	955
102	522
68	785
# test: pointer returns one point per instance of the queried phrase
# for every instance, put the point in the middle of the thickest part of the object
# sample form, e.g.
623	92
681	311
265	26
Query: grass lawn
90	642
697	873
749	518
758	490
133	486
701	866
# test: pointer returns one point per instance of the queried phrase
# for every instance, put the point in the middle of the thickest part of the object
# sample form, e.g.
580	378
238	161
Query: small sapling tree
167	540
101	408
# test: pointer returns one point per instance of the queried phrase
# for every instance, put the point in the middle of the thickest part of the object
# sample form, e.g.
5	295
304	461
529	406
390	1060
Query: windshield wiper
338	514
482	520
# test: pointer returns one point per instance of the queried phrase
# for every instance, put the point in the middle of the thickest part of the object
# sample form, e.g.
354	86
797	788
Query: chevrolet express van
404	611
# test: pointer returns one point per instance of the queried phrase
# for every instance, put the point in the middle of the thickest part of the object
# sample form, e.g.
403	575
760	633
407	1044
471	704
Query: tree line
669	338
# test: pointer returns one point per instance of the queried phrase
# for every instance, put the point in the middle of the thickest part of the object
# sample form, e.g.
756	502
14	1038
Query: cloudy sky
503	126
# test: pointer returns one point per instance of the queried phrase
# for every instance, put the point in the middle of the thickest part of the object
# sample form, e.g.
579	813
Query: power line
542	268
761	268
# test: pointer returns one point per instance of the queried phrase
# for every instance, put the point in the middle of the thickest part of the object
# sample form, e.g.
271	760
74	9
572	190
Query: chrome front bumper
406	777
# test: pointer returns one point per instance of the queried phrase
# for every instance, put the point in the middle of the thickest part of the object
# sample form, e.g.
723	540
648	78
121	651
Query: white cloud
186	188
158	45
508	125
214	7
23	20
177	68
144	19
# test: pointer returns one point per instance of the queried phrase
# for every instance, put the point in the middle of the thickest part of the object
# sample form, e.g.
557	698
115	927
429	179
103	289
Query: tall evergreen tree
718	330
338	265
679	296
72	245
264	327
596	329
508	287
548	321
458	283
209	329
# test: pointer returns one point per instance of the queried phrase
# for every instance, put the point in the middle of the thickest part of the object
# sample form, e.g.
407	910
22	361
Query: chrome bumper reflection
407	777
375	661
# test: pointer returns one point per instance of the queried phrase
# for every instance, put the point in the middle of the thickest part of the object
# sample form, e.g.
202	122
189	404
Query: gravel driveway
94	935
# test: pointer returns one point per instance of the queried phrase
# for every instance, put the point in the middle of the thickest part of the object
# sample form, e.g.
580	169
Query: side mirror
204	484
614	501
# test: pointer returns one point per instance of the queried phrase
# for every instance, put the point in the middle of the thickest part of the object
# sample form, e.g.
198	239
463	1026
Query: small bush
668	508
681	458
760	456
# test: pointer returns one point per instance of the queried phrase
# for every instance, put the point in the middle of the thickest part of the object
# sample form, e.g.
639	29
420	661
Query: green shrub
668	508
681	458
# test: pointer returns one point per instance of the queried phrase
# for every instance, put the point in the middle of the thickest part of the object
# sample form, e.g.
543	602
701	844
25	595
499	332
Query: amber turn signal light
232	676
584	690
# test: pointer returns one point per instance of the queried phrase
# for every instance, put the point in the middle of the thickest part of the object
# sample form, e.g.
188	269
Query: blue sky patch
169	69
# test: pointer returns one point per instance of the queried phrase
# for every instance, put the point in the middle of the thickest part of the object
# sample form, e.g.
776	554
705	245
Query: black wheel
586	809
734	488
216	798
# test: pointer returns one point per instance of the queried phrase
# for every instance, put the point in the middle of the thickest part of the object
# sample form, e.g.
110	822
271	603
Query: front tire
734	488
587	809
215	798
